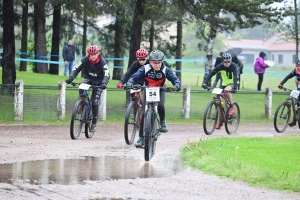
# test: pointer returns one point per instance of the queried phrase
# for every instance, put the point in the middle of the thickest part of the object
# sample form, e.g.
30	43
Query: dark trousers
260	80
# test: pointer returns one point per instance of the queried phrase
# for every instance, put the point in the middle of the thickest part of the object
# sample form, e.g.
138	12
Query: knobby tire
131	125
210	118
282	117
150	131
76	123
232	122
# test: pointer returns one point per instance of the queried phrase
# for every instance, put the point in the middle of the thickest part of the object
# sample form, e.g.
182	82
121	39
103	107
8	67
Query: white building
277	49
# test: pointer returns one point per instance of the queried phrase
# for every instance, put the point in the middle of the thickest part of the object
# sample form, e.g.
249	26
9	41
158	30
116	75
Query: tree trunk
8	59
209	51
151	37
40	37
24	40
136	30
296	30
179	49
54	68
119	43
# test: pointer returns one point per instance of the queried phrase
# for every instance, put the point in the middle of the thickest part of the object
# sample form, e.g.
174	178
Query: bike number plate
133	91
217	91
152	94
295	93
84	86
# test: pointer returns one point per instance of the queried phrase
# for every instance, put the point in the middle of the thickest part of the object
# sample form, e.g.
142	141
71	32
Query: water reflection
72	171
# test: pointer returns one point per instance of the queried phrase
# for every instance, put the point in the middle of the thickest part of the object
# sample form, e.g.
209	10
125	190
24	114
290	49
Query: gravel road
24	143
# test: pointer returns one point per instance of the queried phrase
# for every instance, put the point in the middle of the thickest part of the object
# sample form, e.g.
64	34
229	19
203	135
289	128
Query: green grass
266	162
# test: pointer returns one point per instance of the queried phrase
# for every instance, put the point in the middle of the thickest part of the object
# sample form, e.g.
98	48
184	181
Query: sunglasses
141	59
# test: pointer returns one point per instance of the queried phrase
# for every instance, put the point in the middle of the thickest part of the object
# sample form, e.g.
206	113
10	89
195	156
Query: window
280	59
294	59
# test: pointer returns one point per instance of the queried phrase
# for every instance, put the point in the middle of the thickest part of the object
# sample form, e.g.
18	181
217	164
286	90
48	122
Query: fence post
269	94
61	100
18	104
186	101
102	106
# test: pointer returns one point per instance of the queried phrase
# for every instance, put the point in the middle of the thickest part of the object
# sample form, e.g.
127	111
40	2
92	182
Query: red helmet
141	53
93	49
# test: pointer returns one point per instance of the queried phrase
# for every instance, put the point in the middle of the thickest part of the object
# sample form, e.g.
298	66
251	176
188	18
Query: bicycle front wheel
132	119
282	117
76	120
232	122
88	125
210	118
150	134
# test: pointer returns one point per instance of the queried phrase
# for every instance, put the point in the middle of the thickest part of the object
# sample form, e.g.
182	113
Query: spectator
240	67
68	56
259	68
219	60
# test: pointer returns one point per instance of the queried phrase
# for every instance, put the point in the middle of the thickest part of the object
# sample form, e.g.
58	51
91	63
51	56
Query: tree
289	27
8	58
225	15
54	68
40	37
24	40
119	46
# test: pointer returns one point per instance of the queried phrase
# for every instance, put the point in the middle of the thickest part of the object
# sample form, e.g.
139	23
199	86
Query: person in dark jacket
295	73
142	59
259	68
219	60
95	72
155	74
240	66
68	56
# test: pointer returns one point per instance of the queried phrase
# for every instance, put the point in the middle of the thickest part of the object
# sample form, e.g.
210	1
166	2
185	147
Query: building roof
274	43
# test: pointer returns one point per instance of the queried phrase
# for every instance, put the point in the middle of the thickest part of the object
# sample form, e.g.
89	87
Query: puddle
72	171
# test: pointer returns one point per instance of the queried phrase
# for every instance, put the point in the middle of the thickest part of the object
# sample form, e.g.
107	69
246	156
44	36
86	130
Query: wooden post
18	104
61	100
102	106
268	105
186	101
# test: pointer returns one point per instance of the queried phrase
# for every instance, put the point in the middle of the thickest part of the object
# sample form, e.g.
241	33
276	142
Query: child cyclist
142	59
228	71
295	73
155	74
95	72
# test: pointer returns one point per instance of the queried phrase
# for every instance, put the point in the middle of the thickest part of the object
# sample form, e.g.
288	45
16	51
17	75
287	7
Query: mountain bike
218	109
151	119
133	114
284	110
82	113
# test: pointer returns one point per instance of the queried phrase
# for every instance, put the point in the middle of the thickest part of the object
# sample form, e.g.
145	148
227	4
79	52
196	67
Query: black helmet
227	57
156	55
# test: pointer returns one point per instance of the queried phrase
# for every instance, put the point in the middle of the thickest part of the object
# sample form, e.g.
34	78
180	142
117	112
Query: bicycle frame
221	109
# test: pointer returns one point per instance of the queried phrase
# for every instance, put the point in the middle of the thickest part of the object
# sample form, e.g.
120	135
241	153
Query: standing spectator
219	60
259	68
240	67
69	56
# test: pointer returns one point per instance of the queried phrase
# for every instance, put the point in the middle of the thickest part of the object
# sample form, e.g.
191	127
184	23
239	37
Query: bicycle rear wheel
88	126
232	122
282	117
210	118
76	119
151	129
132	122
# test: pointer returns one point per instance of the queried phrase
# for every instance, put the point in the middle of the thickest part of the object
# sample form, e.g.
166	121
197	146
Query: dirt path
26	143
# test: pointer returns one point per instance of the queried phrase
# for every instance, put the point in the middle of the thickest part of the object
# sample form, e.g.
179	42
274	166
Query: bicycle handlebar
92	86
286	89
137	87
